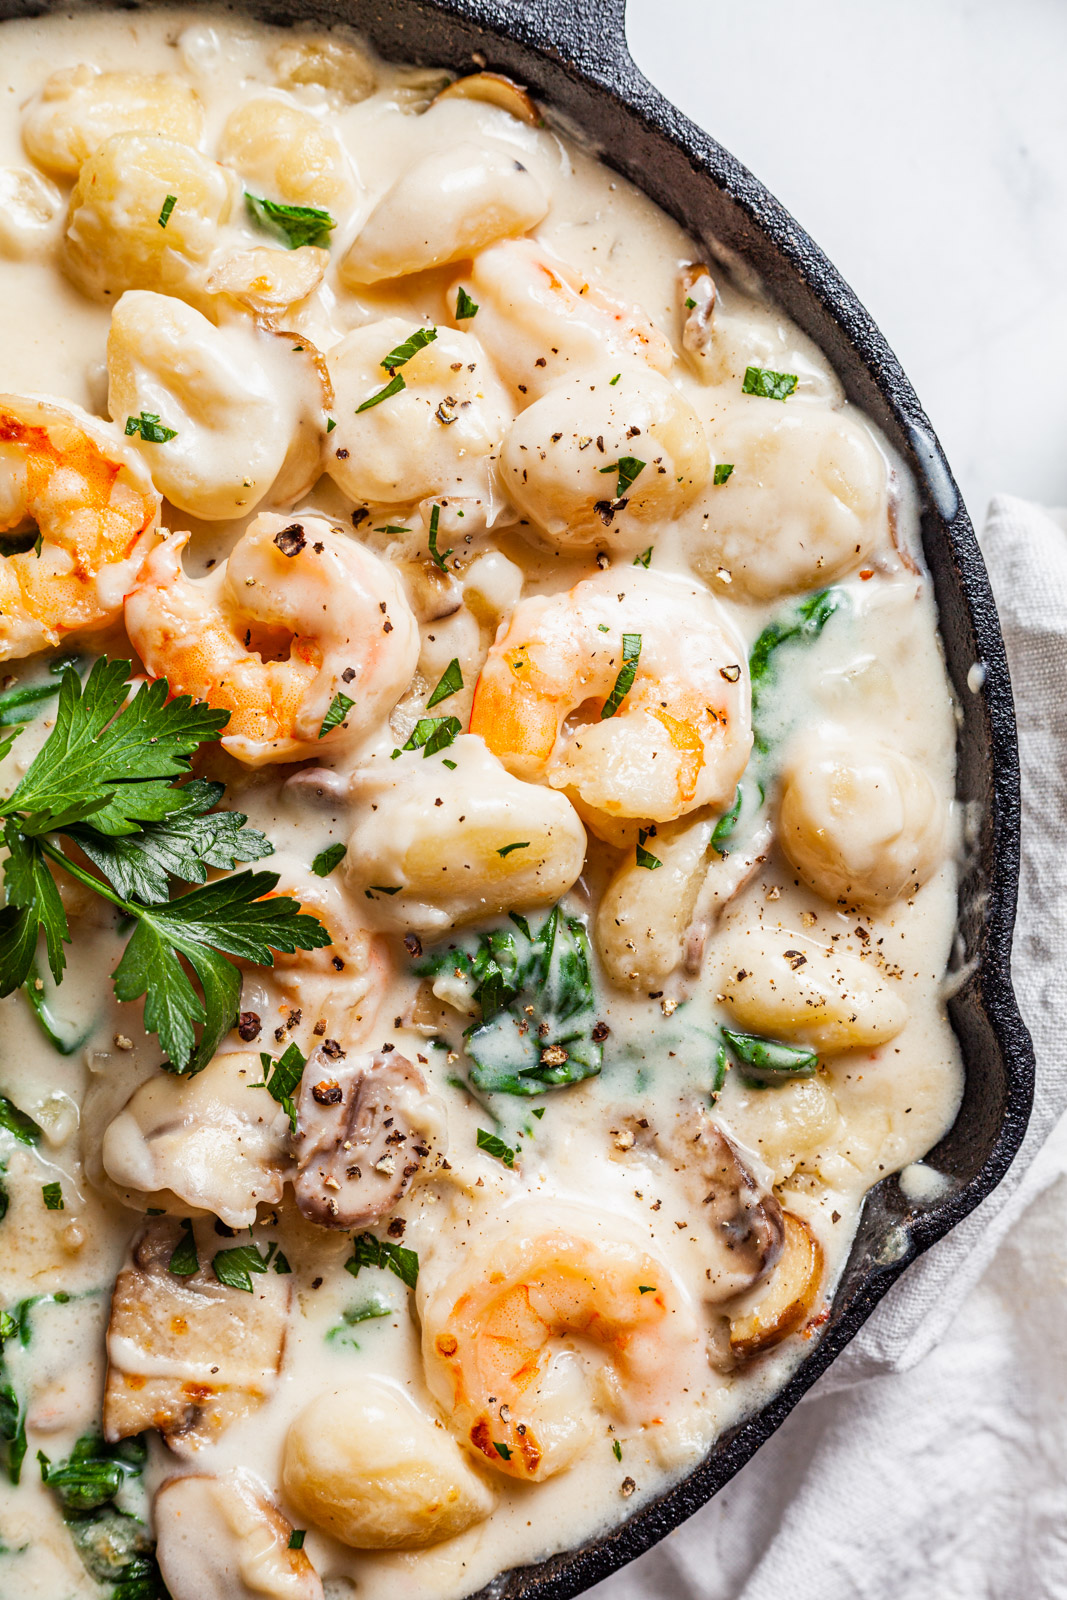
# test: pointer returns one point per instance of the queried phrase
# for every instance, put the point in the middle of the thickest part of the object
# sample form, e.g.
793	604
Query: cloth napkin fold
930	1462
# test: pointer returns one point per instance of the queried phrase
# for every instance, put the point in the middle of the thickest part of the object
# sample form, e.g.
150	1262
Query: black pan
572	54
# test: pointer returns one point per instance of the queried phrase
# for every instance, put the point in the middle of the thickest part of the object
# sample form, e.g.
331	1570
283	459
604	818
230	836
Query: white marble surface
923	145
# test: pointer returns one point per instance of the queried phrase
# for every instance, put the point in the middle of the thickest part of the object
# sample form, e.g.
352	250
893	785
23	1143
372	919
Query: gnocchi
285	149
78	108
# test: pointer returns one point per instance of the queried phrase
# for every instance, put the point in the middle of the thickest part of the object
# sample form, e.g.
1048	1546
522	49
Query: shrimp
630	692
498	1344
72	480
540	320
299	622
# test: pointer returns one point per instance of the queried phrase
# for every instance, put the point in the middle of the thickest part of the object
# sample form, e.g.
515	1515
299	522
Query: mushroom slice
699	296
210	1140
225	1539
495	90
789	1298
365	1125
188	1355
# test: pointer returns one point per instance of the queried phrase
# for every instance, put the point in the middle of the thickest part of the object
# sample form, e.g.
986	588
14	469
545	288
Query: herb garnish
722	471
151	429
283	1081
368	1251
435	519
534	988
519	844
502	1450
168	206
104	777
643	560
431	734
21	705
52	1195
340	706
411	346
184	1260
765	1063
645	858
329	858
367	1311
234	1267
495	1147
631	654
616	1449
465	306
451	683
628	468
394	386
296	1539
297	225
769	385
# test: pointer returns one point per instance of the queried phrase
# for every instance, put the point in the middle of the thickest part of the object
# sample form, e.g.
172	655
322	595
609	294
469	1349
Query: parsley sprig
104	779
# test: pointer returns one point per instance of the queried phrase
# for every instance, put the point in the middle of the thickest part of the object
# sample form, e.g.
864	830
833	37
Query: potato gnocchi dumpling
115	238
605	459
861	822
645	911
786	985
247	409
436	436
374	1470
449	205
79	107
827	481
326	63
30	208
461	844
225	1539
288	152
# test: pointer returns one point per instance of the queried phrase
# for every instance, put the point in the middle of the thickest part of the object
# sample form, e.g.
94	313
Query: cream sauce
876	671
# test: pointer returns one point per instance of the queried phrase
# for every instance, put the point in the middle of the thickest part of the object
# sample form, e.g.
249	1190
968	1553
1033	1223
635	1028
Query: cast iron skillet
572	54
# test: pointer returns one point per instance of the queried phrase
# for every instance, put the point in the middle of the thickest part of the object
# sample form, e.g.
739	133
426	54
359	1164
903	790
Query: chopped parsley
722	471
451	683
369	1251
411	346
645	858
330	424
392	527
769	385
52	1195
151	429
439	559
629	468
616	1449
613	381
297	225
283	1080
631	654
502	1450
328	859
534	988
646	1288
296	1539
431	734
184	1260
168	206
643	560
340	706
465	306
690	303
368	1310
520	844
281	1265
234	1267
394	386
495	1147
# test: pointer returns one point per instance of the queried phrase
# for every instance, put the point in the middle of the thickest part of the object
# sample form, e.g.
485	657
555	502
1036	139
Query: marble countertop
923	145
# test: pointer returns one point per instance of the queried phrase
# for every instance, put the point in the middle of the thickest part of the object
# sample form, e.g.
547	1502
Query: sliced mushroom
739	1216
188	1355
788	1299
698	294
495	90
225	1539
433	594
213	1141
365	1126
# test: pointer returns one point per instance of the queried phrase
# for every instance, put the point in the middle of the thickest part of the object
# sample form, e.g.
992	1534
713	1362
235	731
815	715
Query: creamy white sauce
875	671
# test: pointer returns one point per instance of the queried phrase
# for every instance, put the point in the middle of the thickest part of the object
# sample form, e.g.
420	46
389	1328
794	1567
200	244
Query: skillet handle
587	35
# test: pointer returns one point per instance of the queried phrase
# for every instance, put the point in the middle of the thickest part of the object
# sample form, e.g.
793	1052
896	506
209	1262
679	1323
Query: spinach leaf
765	1063
535	989
115	1547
